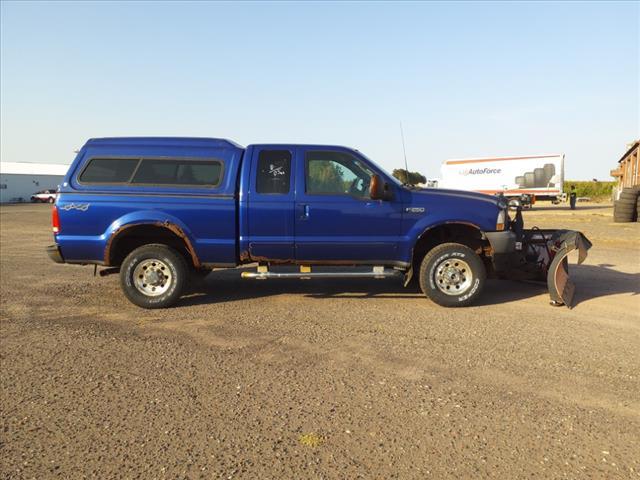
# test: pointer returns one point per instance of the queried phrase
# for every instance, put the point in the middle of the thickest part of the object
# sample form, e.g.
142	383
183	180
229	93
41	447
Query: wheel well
465	234
128	238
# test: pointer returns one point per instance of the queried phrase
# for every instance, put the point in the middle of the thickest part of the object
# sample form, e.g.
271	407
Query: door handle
304	211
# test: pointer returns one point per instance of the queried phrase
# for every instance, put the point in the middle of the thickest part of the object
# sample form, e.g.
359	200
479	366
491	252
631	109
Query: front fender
423	226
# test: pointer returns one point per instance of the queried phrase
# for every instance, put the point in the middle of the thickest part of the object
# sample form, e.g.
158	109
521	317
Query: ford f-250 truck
158	210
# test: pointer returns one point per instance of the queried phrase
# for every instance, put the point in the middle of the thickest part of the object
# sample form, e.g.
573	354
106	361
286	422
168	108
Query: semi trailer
526	178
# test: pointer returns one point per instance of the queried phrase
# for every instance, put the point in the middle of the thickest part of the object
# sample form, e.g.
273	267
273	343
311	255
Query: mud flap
561	288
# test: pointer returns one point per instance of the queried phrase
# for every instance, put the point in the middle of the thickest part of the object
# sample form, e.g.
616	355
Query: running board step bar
305	273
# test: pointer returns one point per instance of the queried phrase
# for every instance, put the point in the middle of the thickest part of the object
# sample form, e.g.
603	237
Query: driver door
335	218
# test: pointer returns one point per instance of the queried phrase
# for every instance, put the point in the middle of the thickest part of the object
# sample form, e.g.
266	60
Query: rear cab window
274	172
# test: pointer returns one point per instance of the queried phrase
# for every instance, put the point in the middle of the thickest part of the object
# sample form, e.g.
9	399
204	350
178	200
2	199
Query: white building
20	180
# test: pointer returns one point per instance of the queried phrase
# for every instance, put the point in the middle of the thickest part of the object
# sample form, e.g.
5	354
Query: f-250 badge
414	209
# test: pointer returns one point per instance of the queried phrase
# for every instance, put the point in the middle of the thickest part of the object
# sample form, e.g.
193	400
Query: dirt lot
321	379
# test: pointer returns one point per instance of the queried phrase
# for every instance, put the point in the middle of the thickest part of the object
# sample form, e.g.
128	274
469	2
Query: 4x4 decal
83	207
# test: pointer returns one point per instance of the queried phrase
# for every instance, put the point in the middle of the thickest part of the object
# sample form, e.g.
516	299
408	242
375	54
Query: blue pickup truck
161	210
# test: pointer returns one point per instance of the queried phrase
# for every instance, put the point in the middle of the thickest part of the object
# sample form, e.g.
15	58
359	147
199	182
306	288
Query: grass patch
310	440
594	190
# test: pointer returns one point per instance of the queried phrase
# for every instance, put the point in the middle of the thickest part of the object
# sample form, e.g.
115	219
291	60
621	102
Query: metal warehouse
20	180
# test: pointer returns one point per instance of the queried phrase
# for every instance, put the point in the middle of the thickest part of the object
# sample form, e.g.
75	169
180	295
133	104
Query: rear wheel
452	275
153	276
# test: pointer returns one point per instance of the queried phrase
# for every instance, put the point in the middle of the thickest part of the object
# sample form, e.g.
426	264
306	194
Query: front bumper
539	254
54	253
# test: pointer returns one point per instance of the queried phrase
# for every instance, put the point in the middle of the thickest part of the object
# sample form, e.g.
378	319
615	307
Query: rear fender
149	217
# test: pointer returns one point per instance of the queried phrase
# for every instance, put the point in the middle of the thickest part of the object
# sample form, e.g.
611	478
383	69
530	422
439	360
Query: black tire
539	178
629	195
520	181
174	264
623	215
549	172
529	179
625	209
446	256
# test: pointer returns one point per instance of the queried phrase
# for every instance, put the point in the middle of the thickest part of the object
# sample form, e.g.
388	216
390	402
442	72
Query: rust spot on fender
180	233
107	250
166	224
273	261
245	256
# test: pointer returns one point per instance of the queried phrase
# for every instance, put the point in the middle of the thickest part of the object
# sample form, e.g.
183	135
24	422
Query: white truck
527	178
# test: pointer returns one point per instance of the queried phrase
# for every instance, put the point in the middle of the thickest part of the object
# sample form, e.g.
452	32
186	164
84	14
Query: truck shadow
592	281
227	286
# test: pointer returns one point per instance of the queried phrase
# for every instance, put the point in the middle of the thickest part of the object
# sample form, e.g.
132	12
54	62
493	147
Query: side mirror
376	188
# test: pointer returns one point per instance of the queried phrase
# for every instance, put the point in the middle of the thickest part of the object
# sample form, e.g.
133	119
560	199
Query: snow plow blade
562	242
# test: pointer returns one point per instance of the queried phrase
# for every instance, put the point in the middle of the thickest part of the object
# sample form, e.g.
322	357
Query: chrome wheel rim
152	277
453	276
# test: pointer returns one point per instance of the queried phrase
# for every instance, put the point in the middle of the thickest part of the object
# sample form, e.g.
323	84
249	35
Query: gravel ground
319	379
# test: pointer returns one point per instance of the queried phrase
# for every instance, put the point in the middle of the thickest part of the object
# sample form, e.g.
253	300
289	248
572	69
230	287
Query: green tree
411	178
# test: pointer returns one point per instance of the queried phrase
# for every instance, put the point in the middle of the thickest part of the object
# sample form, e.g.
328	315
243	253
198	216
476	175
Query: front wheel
452	275
153	276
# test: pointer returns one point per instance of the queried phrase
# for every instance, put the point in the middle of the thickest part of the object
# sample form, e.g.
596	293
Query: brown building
628	172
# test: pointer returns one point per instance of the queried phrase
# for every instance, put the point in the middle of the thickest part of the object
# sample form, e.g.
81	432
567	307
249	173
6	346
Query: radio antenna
404	151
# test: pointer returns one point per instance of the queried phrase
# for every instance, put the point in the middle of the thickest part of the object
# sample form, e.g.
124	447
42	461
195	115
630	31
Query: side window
274	172
336	173
109	170
152	171
178	172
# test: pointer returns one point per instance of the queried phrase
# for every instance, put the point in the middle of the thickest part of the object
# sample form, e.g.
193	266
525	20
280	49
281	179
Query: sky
465	79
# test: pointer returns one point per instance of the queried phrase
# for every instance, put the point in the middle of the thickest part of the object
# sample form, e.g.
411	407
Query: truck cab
158	210
327	205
